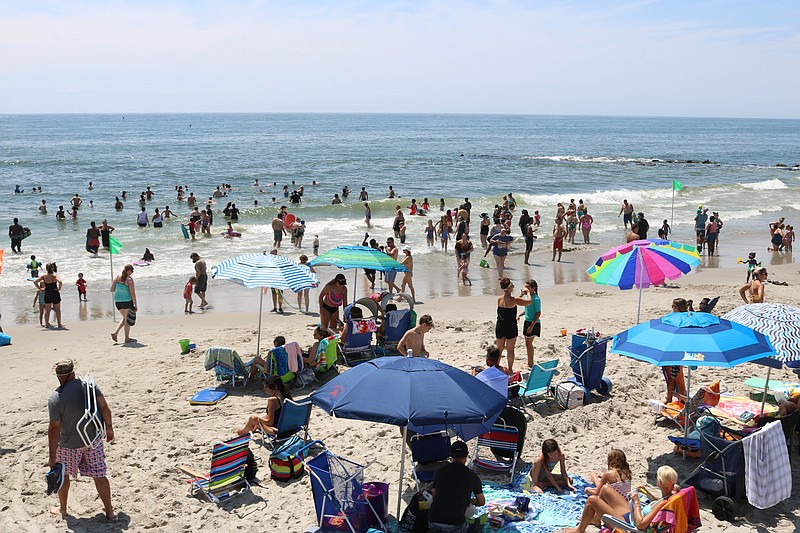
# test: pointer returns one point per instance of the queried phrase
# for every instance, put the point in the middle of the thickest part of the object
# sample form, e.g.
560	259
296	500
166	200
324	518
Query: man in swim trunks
201	274
559	231
700	222
66	406
627	211
278	230
414	339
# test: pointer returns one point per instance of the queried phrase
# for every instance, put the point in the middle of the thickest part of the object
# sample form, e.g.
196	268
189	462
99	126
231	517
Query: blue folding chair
429	452
227	364
537	386
294	418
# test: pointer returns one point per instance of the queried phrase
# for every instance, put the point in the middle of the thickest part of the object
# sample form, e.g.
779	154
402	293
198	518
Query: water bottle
410	353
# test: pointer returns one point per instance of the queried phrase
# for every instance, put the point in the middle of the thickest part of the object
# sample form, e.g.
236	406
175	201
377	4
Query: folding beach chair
227	364
341	500
398	322
429	453
91	427
226	477
278	364
662	522
536	385
502	437
358	345
331	354
706	396
293	419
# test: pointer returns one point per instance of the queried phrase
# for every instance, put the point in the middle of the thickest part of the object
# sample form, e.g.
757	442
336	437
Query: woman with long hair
332	296
609	495
124	300
277	393
533	312
506	330
51	284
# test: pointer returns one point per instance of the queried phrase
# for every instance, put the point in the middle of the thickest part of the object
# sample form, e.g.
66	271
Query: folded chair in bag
226	477
536	385
501	437
429	453
227	364
679	515
293	419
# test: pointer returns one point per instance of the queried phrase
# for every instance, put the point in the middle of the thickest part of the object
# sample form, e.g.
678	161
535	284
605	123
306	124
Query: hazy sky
673	57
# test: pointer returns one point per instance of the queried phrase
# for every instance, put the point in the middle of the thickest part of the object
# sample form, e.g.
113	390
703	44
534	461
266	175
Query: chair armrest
191	472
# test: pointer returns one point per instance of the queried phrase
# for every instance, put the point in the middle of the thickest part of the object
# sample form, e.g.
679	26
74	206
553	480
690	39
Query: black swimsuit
51	294
506	327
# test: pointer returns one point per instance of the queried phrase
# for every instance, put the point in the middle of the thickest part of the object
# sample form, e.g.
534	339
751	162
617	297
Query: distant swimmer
90	186
60	215
43	207
118	203
149	194
363	196
17	190
76	202
391	192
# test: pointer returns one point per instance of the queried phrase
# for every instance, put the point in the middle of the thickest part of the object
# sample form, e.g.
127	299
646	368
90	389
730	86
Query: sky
704	58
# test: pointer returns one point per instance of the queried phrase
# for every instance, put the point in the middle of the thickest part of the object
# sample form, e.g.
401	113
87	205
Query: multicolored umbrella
642	264
265	270
780	323
692	339
347	257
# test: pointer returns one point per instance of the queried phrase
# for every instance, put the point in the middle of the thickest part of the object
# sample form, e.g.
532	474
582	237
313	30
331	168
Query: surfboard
141	263
185	231
289	219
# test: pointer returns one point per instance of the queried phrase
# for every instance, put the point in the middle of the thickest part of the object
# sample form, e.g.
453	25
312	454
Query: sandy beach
147	386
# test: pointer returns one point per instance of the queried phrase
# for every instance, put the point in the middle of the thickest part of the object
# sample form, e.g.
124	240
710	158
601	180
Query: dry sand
147	387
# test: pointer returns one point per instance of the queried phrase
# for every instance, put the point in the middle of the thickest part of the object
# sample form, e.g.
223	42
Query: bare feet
114	337
57	511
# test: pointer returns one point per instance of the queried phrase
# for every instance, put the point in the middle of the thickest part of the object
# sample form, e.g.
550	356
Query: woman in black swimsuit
506	329
51	284
484	230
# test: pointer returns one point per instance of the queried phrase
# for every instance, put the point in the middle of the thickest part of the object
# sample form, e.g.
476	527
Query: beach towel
767	473
681	512
731	407
295	356
364	326
393	318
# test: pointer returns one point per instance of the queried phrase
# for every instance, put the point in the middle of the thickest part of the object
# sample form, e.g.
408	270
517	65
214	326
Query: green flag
677	185
114	245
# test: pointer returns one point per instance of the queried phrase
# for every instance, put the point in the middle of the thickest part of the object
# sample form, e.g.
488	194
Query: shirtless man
389	277
559	231
278	229
414	339
627	210
43	207
149	193
408	262
201	274
76	202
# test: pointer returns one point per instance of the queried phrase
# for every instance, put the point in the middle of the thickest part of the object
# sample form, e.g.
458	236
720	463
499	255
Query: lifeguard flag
677	185
2	251
114	245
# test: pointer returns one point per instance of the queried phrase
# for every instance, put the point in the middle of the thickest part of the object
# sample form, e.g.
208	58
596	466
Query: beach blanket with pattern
548	512
730	407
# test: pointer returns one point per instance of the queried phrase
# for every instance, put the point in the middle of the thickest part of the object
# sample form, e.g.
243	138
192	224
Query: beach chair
663	521
90	428
342	502
358	345
331	354
398	322
278	364
536	384
704	397
429	453
503	437
227	365
226	477
294	418
712	303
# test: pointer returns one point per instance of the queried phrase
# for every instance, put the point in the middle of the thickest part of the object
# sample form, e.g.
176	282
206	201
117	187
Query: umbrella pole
641	275
355	281
766	387
686	411
260	306
402	473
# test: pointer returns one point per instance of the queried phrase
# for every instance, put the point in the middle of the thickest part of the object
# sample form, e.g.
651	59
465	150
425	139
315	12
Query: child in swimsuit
542	476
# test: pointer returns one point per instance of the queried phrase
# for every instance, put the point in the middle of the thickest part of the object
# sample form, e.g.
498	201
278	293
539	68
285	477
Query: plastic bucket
184	345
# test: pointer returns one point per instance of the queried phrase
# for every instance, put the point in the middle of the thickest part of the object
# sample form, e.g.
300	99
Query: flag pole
672	211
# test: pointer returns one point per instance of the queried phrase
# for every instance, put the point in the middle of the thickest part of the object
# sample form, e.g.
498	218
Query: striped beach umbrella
265	270
780	323
642	264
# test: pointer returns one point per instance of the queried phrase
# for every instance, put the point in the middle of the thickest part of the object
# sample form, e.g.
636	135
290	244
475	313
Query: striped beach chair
500	437
226	477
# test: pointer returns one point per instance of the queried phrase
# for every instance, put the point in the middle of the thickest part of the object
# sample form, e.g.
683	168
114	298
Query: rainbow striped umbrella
642	264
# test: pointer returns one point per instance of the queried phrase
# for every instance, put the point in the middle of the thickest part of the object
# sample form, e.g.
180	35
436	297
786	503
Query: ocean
745	169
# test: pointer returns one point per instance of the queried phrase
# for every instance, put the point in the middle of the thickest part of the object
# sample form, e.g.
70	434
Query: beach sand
147	386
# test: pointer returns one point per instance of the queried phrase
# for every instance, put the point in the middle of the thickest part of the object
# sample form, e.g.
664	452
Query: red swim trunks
558	244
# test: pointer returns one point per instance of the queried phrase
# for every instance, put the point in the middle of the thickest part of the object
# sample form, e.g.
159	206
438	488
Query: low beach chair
293	419
227	364
706	396
536	385
429	453
226	477
501	437
664	520
358	345
278	364
331	354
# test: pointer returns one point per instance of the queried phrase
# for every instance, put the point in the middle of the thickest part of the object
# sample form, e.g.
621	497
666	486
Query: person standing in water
201	274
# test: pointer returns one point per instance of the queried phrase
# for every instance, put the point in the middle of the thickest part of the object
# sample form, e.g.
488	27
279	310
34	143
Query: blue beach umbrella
692	339
264	270
423	395
347	257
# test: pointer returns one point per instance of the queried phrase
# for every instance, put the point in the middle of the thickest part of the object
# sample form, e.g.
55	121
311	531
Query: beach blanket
730	407
547	513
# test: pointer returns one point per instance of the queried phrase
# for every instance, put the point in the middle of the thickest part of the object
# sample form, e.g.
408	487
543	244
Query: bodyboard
185	231
208	396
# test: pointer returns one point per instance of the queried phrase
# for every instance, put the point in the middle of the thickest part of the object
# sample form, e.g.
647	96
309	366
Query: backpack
284	462
414	519
251	468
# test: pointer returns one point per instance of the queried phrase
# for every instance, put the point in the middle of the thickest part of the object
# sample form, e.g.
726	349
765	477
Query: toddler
187	295
81	284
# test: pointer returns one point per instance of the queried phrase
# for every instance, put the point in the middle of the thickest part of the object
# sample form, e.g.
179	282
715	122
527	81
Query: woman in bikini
331	298
51	284
753	292
506	330
610	495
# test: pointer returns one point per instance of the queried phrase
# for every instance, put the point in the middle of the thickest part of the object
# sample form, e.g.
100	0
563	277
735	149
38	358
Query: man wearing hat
453	490
700	227
643	226
66	407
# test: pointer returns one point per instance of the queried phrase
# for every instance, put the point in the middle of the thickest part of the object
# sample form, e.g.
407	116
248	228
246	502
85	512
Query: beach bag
569	395
284	463
304	377
251	467
131	317
414	519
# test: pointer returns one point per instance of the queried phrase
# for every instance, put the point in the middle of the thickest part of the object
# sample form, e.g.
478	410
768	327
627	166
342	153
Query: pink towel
295	354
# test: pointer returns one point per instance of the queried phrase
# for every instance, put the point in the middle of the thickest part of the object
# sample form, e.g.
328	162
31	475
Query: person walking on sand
66	407
201	273
51	284
408	262
414	339
332	296
500	243
124	300
390	277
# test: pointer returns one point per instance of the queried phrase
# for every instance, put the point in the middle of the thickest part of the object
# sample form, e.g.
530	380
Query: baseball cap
459	449
64	367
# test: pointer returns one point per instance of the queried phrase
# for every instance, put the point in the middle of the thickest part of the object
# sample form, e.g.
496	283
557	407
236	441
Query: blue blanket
547	513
